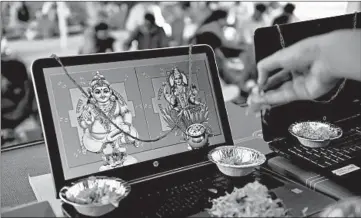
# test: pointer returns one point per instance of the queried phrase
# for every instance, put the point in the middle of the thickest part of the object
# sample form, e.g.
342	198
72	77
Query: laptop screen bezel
139	170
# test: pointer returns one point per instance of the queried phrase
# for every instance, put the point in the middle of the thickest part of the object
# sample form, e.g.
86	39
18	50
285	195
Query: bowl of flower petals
315	134
95	196
236	161
253	200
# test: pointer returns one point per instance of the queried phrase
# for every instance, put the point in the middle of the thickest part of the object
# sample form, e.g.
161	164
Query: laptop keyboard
343	149
189	197
181	197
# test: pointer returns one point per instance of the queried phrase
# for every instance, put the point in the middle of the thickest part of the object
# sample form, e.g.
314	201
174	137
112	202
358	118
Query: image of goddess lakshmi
100	135
182	98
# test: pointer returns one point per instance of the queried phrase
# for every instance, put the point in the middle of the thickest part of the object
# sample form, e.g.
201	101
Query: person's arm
315	64
336	54
341	50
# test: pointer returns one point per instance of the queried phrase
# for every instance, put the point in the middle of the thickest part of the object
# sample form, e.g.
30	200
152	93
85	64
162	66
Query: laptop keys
317	155
340	150
321	165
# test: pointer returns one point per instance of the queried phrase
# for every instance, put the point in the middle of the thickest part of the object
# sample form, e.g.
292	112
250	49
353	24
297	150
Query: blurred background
32	30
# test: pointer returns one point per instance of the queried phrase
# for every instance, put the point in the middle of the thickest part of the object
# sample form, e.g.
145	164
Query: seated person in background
215	24
287	16
274	9
23	12
16	97
249	26
149	35
103	41
209	38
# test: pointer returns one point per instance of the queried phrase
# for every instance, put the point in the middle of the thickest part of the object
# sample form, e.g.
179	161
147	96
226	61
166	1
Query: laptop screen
347	104
146	98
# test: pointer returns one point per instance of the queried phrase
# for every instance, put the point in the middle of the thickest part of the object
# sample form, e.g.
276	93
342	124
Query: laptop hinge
169	172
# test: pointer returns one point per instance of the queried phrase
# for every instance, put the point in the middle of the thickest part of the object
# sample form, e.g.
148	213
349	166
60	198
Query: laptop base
339	162
184	195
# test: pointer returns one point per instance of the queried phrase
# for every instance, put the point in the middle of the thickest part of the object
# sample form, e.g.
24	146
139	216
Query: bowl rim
66	188
196	124
259	162
339	130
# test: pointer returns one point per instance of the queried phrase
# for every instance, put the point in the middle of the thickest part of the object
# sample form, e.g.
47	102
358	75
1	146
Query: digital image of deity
100	135
183	100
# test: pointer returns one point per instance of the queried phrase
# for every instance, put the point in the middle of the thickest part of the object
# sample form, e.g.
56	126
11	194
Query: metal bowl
314	143
197	136
122	189
247	160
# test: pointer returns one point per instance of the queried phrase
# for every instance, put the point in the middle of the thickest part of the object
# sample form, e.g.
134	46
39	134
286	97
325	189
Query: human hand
350	207
310	68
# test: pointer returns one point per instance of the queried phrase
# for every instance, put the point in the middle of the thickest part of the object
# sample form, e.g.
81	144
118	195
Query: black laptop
144	89
341	160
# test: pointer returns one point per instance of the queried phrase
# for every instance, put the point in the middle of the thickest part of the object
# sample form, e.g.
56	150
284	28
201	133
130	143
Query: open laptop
341	160
167	177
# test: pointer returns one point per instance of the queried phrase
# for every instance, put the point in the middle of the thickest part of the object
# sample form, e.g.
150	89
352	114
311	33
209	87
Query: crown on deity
98	80
174	68
174	73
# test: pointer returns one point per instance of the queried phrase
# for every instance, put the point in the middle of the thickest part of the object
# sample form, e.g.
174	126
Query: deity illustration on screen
184	107
100	135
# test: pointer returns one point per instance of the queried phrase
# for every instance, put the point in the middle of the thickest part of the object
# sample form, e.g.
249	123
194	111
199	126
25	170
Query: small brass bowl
197	136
